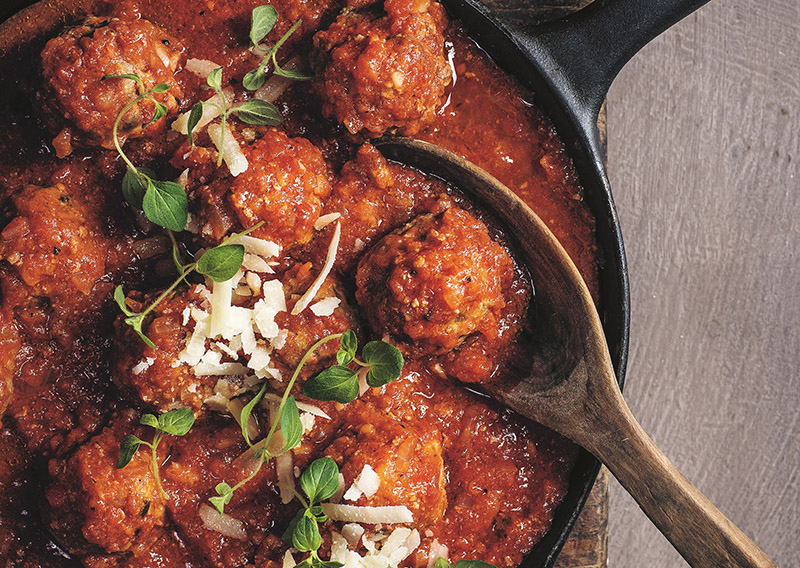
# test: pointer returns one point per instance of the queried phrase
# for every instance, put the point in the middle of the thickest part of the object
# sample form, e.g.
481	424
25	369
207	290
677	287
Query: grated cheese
210	112
306	299
325	307
288	560
200	67
222	523
393	514
325	220
228	146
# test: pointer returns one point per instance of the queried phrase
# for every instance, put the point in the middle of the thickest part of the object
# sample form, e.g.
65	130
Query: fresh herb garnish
163	202
220	264
384	362
254	111
175	422
318	482
264	19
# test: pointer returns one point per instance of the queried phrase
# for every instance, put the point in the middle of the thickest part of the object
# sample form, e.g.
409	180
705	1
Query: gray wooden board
704	159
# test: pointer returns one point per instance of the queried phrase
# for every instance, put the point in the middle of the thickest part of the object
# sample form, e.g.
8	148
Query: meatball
383	70
93	506
434	282
156	376
284	186
304	329
407	458
56	245
74	64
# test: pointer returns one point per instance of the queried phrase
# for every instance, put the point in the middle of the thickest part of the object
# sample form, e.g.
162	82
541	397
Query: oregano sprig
263	20
290	427
163	202
254	111
318	482
382	362
175	422
220	263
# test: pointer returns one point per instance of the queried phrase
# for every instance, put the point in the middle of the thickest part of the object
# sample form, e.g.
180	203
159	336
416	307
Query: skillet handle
581	54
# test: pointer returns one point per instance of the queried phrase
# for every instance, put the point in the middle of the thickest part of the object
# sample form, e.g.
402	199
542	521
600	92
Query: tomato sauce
478	479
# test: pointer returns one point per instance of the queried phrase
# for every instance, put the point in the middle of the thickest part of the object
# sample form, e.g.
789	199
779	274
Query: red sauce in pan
478	479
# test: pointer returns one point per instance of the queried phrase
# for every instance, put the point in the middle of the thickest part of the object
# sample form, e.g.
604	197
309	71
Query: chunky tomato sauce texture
416	264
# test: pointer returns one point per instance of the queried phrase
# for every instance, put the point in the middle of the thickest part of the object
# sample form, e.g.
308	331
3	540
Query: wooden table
704	161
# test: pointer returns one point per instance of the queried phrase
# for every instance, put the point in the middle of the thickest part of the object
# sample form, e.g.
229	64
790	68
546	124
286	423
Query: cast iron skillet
569	64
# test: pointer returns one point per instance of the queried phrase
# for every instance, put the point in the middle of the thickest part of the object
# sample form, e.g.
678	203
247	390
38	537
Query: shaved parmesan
200	67
261	247
220	522
366	484
306	299
307	420
325	220
288	560
437	551
397	547
142	365
221	296
254	281
255	263
272	398
352	533
368	515
325	307
219	369
211	110
276	84
229	148
368	481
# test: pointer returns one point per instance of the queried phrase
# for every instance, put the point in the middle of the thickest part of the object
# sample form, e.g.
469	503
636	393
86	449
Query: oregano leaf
194	118
385	363
320	480
165	204
306	537
258	112
177	422
221	263
336	383
127	449
263	19
134	185
291	427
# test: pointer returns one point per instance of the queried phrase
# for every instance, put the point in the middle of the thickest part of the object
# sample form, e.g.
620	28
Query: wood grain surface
704	154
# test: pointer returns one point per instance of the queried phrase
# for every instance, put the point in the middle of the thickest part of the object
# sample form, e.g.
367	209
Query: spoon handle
695	527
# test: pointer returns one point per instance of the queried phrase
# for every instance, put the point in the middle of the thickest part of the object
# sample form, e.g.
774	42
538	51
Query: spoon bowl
570	386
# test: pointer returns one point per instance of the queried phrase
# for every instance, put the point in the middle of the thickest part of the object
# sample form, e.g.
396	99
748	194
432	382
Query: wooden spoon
571	387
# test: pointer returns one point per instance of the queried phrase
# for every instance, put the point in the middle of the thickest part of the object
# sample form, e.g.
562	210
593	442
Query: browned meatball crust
157	377
80	104
384	69
92	506
284	186
407	458
434	282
